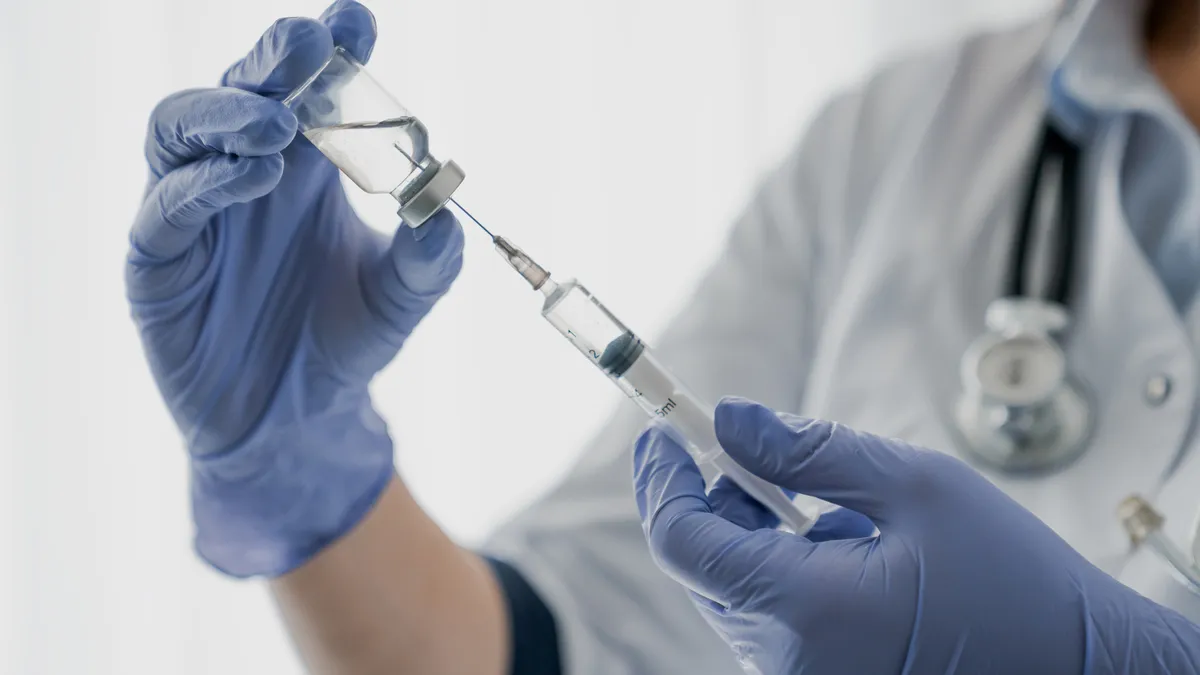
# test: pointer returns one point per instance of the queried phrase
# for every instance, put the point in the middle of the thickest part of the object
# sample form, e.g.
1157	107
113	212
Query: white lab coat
849	291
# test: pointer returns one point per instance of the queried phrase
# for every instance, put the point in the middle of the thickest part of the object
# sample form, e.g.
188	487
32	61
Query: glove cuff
274	502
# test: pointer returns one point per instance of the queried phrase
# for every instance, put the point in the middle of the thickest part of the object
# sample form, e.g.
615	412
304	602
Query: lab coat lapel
1179	502
1126	331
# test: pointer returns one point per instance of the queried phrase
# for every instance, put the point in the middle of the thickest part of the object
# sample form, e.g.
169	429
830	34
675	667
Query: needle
473	218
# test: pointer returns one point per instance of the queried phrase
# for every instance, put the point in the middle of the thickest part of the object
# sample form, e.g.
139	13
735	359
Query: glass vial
373	139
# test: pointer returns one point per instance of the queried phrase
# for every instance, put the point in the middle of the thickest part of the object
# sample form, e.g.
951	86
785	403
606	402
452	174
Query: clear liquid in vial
386	156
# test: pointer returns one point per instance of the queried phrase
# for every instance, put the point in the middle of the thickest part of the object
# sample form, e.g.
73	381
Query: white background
614	140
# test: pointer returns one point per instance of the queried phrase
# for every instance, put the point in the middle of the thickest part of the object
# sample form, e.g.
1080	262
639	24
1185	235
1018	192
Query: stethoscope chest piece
1019	410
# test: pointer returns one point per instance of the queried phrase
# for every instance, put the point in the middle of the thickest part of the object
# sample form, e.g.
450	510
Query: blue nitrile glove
961	579
266	306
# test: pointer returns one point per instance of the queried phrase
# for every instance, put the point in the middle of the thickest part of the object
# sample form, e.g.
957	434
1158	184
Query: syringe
630	363
357	124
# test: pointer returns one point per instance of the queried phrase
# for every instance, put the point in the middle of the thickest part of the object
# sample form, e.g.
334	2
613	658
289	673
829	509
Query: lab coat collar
1098	67
1072	16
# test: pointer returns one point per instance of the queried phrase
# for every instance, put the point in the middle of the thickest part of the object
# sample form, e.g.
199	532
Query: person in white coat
853	288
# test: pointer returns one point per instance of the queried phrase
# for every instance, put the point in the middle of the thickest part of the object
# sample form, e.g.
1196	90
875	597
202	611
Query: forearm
396	595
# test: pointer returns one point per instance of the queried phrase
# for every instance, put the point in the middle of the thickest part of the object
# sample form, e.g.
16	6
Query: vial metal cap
433	194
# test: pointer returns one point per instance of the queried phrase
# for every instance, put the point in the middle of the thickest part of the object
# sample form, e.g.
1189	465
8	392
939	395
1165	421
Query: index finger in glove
293	49
700	549
353	28
816	457
194	123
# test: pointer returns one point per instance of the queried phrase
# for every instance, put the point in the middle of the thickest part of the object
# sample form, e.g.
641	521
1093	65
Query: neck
1172	35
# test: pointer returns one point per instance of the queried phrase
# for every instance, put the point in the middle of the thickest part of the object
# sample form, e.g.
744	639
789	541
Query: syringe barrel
629	363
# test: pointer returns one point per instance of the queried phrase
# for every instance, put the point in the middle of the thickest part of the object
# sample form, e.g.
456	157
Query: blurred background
614	140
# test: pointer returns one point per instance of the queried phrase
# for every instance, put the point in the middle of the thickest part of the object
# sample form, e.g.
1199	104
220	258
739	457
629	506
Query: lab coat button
1158	390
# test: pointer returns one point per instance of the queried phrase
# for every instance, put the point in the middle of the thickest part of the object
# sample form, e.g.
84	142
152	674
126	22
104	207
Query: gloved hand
265	305
960	579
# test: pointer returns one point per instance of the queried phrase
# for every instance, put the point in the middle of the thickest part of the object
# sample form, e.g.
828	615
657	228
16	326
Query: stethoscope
1021	410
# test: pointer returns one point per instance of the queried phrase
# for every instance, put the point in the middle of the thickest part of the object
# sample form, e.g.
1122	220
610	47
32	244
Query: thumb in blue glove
960	579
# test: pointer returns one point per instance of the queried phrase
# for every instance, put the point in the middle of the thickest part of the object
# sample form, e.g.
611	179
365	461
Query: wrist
396	595
270	504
